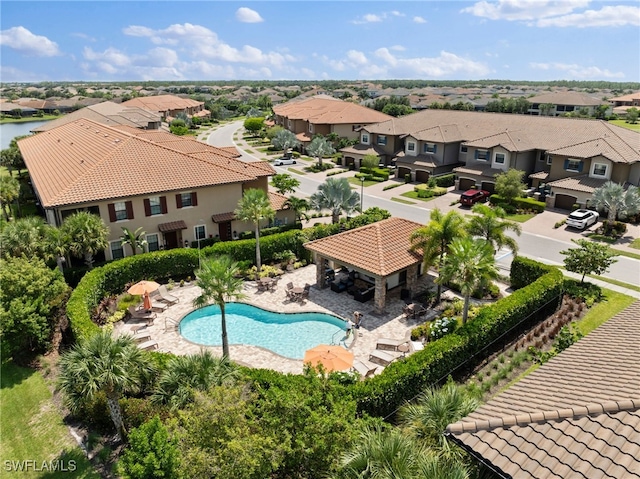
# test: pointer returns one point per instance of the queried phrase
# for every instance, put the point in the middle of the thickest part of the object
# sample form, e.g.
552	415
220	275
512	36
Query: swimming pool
286	334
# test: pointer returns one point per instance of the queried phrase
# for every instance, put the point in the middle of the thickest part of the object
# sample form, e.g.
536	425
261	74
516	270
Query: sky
532	40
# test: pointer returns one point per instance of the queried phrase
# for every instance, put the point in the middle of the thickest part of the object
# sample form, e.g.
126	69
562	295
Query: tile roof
576	416
84	161
172	226
479	171
540	175
629	97
567	98
222	217
278	201
107	113
427	160
362	149
517	132
324	110
381	248
162	103
582	183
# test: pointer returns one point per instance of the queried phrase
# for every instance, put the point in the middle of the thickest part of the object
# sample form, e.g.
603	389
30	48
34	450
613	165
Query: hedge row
525	271
375	172
521	203
444	181
404	380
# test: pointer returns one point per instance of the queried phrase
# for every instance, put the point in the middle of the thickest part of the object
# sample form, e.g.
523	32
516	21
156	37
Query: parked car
471	197
582	219
284	161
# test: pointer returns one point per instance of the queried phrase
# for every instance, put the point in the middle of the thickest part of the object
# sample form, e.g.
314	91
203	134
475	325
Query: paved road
533	245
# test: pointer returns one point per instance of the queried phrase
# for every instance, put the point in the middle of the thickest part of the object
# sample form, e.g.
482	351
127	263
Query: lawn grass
32	428
616	282
635	243
414	196
521	218
29	119
356	181
611	305
400	200
624	124
628	254
293	170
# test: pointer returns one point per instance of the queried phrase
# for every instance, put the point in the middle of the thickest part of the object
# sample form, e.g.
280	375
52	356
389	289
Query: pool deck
393	324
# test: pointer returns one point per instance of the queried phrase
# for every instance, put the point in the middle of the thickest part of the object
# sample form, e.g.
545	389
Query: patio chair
305	293
147	316
384	358
390	344
365	370
141	337
166	296
148	345
289	286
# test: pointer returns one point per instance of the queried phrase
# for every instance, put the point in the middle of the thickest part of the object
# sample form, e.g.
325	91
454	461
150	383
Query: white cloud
377	18
12	74
397	48
418	19
25	42
524	9
357	58
84	36
572	71
446	64
246	15
609	16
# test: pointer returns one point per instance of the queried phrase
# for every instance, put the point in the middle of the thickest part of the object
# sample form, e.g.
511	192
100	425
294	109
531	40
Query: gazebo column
320	274
380	295
412	278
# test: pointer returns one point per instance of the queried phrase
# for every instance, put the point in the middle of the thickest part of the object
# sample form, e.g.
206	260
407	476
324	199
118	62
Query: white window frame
189	198
603	175
570	161
411	146
157	241
504	158
310	128
158	206
365	138
381	140
120	247
549	160
120	209
429	147
196	235
486	155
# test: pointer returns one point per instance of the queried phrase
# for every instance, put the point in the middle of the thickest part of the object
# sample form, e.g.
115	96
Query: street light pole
361	192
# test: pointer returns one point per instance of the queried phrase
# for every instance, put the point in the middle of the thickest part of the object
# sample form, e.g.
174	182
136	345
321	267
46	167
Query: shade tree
590	257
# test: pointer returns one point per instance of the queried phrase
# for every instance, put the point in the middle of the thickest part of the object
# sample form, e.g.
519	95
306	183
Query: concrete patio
391	324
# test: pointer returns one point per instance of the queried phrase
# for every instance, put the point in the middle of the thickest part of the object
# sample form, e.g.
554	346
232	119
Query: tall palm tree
197	372
57	245
468	263
299	207
436	408
490	225
613	197
219	281
24	236
320	147
87	235
336	195
9	191
255	207
434	238
102	363
135	239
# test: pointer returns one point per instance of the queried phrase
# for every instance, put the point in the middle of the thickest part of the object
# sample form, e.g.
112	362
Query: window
382	140
463	149
482	155
500	158
289	124
184	200
120	209
411	146
599	169
156	205
549	160
116	249
200	232
310	128
152	243
365	138
573	165
429	148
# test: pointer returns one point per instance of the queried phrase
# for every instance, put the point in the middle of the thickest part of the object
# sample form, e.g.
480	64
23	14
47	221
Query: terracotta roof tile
328	111
172	226
556	424
162	103
278	201
582	183
222	217
479	171
381	248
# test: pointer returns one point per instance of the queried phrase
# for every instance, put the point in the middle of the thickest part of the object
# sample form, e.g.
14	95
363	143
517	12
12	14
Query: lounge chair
141	337
148	345
365	370
384	358
166	296
390	344
148	316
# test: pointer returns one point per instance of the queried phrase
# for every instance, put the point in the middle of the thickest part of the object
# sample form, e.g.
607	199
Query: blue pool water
287	334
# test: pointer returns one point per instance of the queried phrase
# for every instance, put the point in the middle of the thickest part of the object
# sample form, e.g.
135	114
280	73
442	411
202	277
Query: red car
471	197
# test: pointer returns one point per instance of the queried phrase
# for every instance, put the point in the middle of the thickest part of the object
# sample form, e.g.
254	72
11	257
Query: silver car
582	219
284	161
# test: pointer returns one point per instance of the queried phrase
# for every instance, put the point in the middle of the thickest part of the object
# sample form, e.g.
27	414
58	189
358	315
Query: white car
284	161
582	219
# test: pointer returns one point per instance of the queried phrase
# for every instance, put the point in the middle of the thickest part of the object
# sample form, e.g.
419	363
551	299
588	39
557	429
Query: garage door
466	183
422	176
403	171
565	202
489	186
349	160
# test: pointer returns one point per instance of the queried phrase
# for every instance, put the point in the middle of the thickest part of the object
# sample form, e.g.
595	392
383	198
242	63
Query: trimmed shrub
444	181
525	271
518	203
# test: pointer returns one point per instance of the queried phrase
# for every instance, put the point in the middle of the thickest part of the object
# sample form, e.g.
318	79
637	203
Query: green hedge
445	181
375	172
404	380
525	271
521	203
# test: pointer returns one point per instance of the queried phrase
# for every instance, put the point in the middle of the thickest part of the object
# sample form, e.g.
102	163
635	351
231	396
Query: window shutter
580	165
163	204
194	199
112	212
178	201
477	154
129	206
147	207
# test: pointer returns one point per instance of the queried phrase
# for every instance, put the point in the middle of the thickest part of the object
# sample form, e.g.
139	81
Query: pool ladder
333	338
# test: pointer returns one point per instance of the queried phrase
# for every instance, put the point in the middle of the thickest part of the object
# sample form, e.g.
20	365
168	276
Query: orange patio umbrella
332	358
142	287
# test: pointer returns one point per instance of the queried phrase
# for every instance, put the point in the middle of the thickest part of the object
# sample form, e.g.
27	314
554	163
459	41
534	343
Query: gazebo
379	252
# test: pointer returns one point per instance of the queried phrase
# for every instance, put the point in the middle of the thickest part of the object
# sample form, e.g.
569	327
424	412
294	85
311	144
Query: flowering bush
441	327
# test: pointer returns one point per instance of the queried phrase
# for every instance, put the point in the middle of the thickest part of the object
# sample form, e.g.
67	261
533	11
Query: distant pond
8	131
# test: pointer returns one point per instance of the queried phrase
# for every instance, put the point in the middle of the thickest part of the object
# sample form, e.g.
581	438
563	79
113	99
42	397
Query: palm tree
613	197
320	147
102	363
255	206
9	191
284	140
468	263
133	238
434	239
489	224
336	195
436	408
219	280
57	245
87	235
299	207
24	236
197	372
